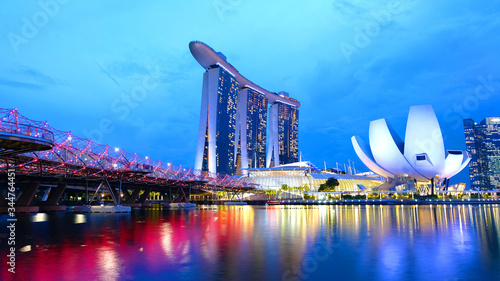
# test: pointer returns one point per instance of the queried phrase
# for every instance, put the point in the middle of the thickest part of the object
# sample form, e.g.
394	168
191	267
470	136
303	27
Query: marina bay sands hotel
235	116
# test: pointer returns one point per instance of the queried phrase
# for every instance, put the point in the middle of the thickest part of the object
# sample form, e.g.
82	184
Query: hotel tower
235	116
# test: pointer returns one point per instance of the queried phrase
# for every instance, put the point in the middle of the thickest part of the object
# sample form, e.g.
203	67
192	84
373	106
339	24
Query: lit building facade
288	133
252	129
305	174
483	144
234	120
284	131
216	141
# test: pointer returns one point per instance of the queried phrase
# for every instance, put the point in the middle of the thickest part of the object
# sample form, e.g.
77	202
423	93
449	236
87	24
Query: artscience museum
420	159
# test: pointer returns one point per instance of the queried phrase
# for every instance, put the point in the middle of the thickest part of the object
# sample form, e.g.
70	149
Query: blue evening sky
121	71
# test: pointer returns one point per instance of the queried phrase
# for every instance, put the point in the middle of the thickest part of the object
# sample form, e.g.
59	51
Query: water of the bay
459	242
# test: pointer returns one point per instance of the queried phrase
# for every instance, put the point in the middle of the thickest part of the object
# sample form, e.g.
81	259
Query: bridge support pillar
27	194
115	192
126	195
145	195
168	195
132	197
55	194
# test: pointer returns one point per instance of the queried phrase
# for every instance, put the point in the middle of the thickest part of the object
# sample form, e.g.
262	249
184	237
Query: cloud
17	84
27	78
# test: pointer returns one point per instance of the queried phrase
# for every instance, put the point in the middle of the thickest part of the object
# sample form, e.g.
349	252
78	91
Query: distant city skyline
483	144
125	78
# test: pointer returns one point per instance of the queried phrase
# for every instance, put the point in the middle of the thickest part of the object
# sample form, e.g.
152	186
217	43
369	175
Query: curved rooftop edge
207	57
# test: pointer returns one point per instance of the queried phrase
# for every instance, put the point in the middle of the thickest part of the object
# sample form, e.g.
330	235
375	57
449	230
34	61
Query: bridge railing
27	130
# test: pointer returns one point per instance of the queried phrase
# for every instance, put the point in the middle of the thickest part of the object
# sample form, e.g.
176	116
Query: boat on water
102	209
186	205
273	203
235	203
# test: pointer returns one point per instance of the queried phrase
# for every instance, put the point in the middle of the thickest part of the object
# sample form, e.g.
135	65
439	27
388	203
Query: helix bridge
40	153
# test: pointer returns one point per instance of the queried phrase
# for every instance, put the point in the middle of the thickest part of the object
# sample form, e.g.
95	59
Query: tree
270	192
285	188
303	189
329	185
300	189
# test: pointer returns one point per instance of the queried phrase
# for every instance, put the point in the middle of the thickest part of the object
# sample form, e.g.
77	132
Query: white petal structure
365	154
387	148
421	156
424	147
455	162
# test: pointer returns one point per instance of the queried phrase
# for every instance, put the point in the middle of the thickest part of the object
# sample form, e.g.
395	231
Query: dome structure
420	156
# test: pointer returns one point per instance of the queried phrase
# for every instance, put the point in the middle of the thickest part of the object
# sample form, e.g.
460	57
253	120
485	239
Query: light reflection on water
263	243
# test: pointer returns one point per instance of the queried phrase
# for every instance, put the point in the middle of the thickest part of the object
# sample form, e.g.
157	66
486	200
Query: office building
483	144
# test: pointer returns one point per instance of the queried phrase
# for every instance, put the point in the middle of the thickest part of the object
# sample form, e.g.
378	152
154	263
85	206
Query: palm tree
284	187
305	188
270	192
300	189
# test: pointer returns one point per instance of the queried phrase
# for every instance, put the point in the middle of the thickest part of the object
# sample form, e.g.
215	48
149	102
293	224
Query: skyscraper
284	146
288	133
216	139
483	144
234	119
252	128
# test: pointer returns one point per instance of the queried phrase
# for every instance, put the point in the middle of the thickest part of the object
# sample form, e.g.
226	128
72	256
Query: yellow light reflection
80	218
40	217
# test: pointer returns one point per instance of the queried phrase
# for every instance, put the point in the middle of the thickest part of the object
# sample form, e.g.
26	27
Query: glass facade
288	133
204	166
483	145
256	124
273	178
227	96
